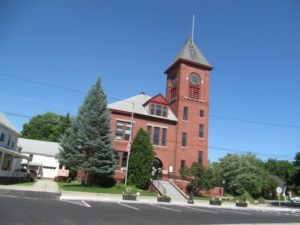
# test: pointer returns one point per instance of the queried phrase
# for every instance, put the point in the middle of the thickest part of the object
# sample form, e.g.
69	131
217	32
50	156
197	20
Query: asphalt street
34	211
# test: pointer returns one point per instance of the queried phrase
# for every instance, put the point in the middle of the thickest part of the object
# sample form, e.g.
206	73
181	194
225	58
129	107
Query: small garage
43	156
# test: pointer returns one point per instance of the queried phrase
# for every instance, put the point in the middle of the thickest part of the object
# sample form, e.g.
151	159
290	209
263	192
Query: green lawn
27	184
201	198
117	189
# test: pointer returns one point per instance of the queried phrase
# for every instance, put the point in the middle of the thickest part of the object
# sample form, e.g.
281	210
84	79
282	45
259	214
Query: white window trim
154	125
161	146
124	120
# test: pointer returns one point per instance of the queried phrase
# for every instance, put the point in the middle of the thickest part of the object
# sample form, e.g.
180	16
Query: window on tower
201	131
173	93
183	139
200	157
185	113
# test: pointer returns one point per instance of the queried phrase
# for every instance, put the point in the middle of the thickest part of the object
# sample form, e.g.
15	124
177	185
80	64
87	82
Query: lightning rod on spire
193	25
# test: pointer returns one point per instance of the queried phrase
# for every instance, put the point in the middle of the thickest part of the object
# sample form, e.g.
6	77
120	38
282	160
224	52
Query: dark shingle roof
192	53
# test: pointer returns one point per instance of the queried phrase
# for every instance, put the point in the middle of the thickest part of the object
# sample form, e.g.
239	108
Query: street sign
279	190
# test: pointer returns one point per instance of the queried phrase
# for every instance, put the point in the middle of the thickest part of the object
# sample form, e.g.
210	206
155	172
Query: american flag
128	146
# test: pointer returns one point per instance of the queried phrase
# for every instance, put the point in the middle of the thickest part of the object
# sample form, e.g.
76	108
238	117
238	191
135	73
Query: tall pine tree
69	154
141	160
91	139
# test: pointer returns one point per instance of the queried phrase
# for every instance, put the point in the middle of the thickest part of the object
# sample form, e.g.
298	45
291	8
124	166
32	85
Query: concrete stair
166	188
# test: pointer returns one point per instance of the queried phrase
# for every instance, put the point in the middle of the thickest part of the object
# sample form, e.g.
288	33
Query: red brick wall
164	153
191	126
119	176
182	184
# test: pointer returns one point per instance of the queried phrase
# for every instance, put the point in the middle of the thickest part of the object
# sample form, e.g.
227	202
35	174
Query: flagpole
128	153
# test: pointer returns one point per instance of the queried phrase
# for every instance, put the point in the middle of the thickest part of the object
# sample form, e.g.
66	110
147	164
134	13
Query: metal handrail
158	185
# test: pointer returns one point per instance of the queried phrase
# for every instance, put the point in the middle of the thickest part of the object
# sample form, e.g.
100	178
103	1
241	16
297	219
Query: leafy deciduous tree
284	169
243	173
46	127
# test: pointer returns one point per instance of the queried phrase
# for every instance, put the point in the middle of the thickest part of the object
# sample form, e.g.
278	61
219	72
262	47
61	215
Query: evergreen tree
94	135
141	160
69	154
87	144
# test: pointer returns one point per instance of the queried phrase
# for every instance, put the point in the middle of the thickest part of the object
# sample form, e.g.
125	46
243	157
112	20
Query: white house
43	156
10	155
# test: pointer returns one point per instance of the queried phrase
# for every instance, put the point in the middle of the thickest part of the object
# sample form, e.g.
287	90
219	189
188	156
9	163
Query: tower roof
191	53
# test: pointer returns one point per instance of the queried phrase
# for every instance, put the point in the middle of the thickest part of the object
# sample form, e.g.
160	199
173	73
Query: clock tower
187	92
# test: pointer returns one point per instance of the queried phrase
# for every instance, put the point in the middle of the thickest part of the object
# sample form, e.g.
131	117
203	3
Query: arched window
194	85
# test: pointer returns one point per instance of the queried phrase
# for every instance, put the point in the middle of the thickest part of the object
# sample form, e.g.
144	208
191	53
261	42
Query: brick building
177	122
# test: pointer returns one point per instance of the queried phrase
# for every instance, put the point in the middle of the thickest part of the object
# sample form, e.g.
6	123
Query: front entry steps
166	188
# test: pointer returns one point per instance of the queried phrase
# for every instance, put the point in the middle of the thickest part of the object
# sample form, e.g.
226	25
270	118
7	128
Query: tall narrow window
182	163
9	139
200	157
127	132
124	159
164	111
201	131
2	137
117	158
183	139
152	109
185	113
156	136
164	137
201	114
158	110
173	93
149	131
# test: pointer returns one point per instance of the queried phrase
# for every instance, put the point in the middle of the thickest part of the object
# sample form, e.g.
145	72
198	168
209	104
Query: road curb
231	207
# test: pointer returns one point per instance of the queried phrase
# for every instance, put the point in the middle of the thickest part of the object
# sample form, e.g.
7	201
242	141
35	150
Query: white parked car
295	199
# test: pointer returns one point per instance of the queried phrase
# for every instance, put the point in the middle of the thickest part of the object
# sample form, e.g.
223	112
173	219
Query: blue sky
253	45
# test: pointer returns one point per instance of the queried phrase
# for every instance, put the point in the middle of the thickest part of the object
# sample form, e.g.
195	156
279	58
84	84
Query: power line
264	123
41	83
36	101
216	148
255	122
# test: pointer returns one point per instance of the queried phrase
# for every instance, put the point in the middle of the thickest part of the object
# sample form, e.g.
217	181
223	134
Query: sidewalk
40	189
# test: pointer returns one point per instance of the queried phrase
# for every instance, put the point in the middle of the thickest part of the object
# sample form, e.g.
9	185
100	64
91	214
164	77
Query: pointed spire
192	53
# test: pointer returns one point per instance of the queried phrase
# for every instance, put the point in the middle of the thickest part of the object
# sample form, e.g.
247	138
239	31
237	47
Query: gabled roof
36	147
5	122
191	53
136	104
159	99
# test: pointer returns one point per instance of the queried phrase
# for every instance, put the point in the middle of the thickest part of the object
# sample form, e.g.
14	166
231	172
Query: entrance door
157	169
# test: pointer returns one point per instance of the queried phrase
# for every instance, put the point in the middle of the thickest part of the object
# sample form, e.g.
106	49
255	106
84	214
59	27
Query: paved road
29	211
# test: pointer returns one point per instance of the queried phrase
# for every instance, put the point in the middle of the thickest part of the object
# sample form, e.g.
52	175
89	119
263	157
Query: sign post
279	191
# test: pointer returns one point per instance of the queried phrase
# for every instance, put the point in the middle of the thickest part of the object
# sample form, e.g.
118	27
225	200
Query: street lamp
223	185
191	192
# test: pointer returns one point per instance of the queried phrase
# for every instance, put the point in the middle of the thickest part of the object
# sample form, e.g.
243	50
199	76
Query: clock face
194	79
